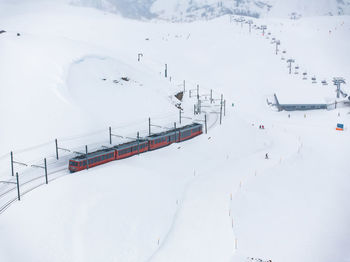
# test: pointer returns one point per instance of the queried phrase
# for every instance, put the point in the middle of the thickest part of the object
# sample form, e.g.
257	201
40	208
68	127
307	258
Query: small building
299	107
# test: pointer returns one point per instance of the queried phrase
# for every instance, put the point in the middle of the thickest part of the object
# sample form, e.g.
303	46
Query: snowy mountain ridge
191	10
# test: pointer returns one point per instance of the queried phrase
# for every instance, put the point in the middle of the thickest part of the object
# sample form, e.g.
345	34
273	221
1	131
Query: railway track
10	196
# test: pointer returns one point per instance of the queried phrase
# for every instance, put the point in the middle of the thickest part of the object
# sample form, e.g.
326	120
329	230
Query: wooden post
18	193
205	121
56	148
211	96
87	158
110	135
45	166
12	171
166	70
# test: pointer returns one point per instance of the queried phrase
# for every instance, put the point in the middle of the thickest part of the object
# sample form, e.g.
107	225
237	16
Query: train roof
130	143
174	130
93	154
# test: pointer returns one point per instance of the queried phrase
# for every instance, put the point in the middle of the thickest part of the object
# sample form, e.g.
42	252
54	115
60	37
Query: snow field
288	208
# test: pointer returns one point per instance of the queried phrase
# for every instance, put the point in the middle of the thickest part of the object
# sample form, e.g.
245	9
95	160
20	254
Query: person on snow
266	156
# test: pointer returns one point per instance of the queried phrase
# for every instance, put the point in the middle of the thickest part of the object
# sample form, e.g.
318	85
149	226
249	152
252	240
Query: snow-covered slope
190	10
206	9
213	198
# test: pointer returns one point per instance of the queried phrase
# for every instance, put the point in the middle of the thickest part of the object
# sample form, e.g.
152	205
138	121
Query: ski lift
284	51
314	80
304	76
324	82
297	67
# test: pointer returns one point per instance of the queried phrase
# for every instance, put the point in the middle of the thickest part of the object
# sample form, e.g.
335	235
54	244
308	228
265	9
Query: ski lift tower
263	28
250	25
277	42
290	61
337	82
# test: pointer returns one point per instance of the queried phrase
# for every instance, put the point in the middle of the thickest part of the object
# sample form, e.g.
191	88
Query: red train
131	148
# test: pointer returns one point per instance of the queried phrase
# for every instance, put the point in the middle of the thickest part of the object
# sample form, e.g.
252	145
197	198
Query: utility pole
87	158
225	107
337	82
138	143
290	61
166	70
110	135
18	193
278	42
211	96
184	87
149	126
221	109
12	171
56	148
45	166
197	92
180	116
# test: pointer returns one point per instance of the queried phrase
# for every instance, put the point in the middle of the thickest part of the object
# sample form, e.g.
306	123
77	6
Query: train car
92	159
131	148
163	139
190	131
135	147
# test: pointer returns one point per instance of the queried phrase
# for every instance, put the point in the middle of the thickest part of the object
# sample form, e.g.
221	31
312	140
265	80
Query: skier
266	156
